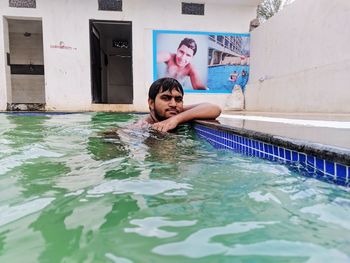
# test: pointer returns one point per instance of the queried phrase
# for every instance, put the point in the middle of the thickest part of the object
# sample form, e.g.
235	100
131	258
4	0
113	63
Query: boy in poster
179	65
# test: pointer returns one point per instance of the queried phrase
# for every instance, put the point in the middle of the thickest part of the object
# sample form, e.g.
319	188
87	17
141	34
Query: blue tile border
320	168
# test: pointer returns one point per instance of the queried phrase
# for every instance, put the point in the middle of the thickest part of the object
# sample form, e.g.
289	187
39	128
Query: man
233	77
165	101
243	79
179	65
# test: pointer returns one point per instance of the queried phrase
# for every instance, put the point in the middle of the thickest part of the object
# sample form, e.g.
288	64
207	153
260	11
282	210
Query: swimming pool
70	193
219	77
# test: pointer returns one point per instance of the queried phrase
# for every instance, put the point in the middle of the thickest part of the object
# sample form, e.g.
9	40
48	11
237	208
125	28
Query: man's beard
157	116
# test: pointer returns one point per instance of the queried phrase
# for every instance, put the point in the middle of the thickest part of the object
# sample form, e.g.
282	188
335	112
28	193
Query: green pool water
71	193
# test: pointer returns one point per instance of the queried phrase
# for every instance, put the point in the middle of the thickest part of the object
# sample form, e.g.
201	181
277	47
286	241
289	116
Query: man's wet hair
162	85
190	43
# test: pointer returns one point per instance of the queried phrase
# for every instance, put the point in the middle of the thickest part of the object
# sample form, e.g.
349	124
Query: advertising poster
203	62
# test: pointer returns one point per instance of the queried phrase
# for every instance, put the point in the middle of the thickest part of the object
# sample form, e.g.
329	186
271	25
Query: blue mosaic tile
269	149
320	164
310	164
319	173
330	168
266	151
302	158
288	155
270	152
310	160
294	156
341	172
281	152
261	146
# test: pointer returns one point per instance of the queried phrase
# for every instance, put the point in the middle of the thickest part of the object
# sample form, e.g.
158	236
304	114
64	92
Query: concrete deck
327	129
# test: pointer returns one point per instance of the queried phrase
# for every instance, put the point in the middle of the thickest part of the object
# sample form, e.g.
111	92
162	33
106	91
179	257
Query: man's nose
172	102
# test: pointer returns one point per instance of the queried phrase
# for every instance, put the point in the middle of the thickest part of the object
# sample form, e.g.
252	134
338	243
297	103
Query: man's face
166	104
183	56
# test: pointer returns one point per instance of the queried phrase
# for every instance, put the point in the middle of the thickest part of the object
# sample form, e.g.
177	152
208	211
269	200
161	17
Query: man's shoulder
190	69
171	59
143	122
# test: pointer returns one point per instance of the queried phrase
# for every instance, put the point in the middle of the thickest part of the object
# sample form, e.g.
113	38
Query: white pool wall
300	59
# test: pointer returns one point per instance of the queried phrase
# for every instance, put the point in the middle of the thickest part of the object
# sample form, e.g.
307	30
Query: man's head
186	50
165	98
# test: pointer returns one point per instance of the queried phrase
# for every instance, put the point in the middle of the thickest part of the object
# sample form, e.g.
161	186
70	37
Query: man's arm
191	112
195	80
163	57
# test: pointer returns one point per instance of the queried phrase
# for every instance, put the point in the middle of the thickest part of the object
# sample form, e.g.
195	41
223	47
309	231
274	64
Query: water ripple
200	244
141	187
149	227
9	214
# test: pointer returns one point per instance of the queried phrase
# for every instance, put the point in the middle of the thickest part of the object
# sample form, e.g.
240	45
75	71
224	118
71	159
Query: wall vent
22	3
110	5
192	9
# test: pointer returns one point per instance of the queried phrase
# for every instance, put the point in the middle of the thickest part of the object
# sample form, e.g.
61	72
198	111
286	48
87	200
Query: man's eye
166	98
178	99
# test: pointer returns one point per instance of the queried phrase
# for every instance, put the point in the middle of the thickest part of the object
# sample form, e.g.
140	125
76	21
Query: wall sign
62	45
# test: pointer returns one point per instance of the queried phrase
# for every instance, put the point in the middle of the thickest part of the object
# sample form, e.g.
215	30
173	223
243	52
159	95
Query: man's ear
151	104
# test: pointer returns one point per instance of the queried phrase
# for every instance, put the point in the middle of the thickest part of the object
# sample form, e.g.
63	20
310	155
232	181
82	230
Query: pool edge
327	161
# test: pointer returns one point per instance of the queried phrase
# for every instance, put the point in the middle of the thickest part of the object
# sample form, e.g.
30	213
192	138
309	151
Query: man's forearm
200	111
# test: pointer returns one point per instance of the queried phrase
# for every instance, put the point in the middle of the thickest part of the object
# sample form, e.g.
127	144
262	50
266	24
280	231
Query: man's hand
166	125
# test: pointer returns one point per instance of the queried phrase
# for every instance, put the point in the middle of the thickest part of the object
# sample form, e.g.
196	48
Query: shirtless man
165	101
179	65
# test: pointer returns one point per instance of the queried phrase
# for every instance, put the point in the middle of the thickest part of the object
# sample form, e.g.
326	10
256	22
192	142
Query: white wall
67	71
303	54
5	76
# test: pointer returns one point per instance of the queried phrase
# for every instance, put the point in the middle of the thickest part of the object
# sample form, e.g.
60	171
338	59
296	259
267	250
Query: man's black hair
164	84
190	43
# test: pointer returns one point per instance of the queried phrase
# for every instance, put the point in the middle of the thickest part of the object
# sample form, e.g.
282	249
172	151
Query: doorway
26	61
111	62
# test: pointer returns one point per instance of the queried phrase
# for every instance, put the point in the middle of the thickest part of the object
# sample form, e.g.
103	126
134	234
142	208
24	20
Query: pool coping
327	152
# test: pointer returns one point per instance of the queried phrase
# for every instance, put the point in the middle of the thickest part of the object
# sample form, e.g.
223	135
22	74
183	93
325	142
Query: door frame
93	27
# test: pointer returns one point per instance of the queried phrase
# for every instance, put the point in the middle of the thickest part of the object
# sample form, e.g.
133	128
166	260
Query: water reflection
25	130
38	177
3	241
60	242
